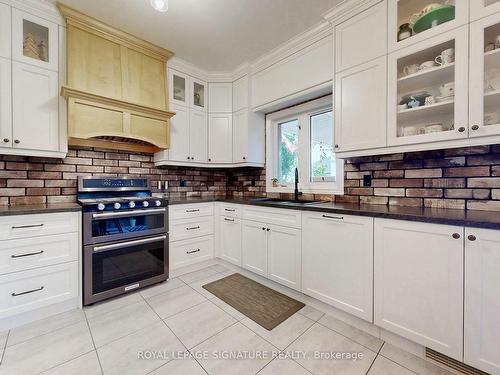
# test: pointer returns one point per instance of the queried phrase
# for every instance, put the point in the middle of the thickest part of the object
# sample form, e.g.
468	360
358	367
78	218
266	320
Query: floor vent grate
452	363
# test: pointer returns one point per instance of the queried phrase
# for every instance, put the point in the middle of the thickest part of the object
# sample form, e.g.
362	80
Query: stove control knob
145	203
101	206
158	203
117	206
131	204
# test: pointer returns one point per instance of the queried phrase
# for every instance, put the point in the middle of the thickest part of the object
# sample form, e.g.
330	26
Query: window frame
302	113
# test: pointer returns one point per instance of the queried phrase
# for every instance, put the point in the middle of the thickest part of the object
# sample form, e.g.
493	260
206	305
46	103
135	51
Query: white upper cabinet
337	261
241	93
428	90
482	299
178	88
483	8
5	103
179	134
484	79
220	138
424	18
240	136
198	95
361	38
361	106
35	102
254	247
220	97
284	255
198	135
35	41
230	239
419	283
5	30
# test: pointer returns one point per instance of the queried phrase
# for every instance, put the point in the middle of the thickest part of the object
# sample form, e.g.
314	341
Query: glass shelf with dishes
491	100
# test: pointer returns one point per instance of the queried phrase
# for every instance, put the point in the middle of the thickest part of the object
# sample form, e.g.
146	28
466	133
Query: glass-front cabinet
198	94
412	21
484	85
427	93
35	41
483	8
178	87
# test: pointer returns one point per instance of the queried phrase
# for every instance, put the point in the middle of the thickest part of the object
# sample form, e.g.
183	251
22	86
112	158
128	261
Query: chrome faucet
297	193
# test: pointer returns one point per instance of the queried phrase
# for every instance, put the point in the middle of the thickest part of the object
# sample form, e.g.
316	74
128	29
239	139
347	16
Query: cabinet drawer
24	226
186	252
190	228
29	290
185	211
28	253
277	216
231	210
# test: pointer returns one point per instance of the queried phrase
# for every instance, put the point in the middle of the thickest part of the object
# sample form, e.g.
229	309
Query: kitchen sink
285	201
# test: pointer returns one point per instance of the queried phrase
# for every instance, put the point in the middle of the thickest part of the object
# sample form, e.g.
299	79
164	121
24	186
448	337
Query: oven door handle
127	213
98	249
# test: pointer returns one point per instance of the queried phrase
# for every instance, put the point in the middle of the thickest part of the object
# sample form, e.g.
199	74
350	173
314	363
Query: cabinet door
337	261
198	136
5	30
178	88
35	108
144	79
254	247
240	93
482	300
198	96
284	256
179	134
446	116
5	103
419	283
240	136
220	97
360	101
361	38
484	84
230	239
220	138
35	40
407	11
483	8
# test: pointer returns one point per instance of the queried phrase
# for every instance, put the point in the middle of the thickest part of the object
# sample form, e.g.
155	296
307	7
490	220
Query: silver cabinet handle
193	251
229	209
333	217
128	213
196	210
128	244
193	228
27	226
27	254
14	294
226	219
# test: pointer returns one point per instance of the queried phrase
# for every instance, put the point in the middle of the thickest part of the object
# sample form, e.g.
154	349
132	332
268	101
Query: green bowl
434	17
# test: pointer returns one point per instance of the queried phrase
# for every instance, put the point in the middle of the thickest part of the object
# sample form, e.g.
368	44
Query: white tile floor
136	334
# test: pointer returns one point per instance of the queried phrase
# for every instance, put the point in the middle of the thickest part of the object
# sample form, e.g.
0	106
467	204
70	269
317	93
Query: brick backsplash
454	178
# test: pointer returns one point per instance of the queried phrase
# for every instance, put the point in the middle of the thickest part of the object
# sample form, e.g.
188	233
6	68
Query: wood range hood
116	87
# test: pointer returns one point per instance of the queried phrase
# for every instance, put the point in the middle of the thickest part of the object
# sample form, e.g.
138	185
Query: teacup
446	57
430	100
410	69
409	130
434	128
427	65
447	89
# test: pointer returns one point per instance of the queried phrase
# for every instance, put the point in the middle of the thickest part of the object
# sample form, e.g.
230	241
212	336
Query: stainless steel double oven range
125	236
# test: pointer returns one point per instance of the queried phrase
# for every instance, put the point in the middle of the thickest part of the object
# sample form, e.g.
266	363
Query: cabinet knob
336	146
188	158
209	159
471	237
6	140
17	141
461	129
192	157
456	236
244	158
263	228
268	229
475	127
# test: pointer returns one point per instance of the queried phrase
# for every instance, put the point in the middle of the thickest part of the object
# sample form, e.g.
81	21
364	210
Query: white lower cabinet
337	261
254	247
482	299
185	252
284	256
418	290
230	239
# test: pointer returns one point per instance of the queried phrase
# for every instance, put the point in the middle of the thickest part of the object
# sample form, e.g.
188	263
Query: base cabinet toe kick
433	284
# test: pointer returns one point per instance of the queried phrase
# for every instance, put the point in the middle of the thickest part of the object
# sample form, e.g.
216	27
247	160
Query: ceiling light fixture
159	5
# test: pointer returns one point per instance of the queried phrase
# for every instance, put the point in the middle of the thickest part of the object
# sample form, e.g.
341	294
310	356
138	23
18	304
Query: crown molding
45	9
346	9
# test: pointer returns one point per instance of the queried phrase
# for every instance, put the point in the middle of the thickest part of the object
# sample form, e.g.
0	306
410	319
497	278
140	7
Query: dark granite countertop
39	209
467	218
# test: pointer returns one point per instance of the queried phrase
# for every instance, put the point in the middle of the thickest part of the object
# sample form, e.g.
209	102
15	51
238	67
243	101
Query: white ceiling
216	35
